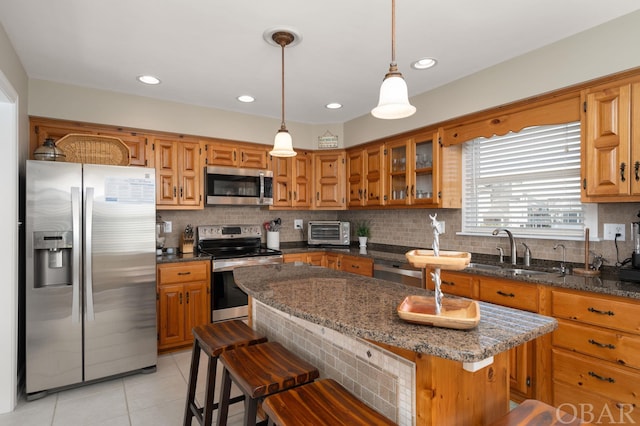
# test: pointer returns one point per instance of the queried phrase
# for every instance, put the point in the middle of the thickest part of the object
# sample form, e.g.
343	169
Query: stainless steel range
232	246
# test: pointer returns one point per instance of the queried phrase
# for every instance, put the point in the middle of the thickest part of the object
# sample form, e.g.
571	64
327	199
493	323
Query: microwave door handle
261	200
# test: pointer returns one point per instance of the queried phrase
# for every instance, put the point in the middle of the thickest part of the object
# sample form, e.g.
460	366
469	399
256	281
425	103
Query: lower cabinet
513	294
340	262
595	356
183	294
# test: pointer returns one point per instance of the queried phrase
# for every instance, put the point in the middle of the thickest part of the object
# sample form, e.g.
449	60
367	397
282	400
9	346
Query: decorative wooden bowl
449	260
460	314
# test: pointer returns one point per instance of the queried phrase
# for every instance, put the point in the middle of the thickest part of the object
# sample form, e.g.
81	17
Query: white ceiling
207	52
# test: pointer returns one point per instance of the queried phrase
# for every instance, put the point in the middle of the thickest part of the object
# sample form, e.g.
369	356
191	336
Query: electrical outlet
297	224
168	226
611	229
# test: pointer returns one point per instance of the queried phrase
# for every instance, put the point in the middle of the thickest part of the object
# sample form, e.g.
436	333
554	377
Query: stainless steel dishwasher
399	272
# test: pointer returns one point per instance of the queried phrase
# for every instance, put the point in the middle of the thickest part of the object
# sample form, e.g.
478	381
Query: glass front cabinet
410	164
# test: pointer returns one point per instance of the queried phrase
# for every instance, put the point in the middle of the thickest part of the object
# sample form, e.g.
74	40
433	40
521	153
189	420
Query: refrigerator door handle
88	258
76	250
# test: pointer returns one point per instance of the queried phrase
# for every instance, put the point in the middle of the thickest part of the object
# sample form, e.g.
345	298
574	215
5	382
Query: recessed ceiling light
424	63
148	79
333	105
246	98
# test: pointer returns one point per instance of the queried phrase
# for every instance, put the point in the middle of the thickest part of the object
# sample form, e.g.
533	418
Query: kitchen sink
484	266
518	271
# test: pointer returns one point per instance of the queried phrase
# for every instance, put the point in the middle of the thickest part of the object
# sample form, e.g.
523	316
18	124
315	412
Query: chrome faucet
563	268
511	242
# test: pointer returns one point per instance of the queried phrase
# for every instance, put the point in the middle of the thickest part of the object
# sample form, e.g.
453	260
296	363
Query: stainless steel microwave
329	233
238	186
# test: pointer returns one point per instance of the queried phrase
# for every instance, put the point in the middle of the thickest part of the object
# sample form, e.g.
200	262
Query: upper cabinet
611	144
233	154
178	174
138	143
292	178
329	180
420	172
365	176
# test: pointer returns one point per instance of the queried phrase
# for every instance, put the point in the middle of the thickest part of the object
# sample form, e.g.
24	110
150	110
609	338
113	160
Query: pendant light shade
393	102
283	143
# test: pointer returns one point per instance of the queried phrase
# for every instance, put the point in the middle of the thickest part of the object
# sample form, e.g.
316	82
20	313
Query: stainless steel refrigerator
90	273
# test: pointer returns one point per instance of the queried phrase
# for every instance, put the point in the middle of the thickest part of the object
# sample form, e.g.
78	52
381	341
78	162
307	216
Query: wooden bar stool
259	371
324	402
532	413
214	339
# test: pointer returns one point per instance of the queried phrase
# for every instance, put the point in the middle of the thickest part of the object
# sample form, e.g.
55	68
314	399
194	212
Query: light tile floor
138	400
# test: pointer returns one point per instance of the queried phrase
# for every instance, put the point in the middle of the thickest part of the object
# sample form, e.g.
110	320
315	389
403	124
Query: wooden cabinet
292	178
611	144
596	354
459	284
338	261
329	180
365	176
138	143
233	154
178	174
356	265
420	172
183	301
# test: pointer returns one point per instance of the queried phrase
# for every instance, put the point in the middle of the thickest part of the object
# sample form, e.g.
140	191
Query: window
528	182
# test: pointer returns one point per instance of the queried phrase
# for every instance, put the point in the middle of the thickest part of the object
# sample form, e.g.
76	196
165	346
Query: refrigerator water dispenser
52	255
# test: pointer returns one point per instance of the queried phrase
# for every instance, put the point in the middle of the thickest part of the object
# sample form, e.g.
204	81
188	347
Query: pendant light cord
393	32
282	125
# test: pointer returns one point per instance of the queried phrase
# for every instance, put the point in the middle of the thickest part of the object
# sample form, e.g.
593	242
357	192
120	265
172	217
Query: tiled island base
383	380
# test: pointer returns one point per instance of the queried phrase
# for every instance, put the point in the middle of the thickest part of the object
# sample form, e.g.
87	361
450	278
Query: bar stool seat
214	339
533	412
259	371
323	402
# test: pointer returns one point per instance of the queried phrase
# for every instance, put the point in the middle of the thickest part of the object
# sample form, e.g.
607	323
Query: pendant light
394	98
283	144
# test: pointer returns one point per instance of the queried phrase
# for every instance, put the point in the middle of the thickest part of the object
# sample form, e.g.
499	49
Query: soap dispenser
527	255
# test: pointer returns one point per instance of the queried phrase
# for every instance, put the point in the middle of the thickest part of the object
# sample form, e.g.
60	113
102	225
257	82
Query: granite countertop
181	257
365	307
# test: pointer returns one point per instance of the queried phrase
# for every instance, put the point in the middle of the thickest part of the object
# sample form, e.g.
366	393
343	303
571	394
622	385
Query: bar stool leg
225	392
193	374
209	405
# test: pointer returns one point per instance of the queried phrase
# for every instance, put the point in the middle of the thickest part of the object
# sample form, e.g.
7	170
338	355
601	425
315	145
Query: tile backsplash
412	228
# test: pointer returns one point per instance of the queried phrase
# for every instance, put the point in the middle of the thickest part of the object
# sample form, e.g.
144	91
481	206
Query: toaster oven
328	233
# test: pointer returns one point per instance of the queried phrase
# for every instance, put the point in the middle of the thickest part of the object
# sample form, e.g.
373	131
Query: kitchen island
347	325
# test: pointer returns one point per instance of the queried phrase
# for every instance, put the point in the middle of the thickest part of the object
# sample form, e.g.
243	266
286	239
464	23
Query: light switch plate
168	227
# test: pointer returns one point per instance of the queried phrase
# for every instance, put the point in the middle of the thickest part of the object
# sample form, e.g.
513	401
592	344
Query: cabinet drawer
452	283
597	310
183	272
592	375
621	348
357	265
596	409
513	294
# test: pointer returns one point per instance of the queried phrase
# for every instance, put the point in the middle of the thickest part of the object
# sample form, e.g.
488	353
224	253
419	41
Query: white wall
14	142
600	51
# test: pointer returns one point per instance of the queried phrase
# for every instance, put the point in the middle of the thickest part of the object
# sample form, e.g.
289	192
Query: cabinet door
399	169
196	306
355	178
374	194
521	366
422	189
294	257
333	261
166	163
221	154
606	169
329	180
453	283
282	178
302	178
316	259
253	158
635	141
171	315
137	144
190	173
41	132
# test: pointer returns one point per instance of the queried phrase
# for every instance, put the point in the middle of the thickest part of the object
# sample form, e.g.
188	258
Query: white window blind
528	182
